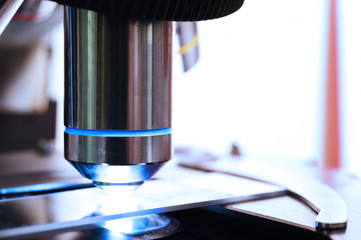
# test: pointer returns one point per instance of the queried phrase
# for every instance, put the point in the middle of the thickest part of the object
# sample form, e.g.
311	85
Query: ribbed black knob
162	10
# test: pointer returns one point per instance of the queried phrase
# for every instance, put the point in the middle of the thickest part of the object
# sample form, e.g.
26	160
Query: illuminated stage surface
75	208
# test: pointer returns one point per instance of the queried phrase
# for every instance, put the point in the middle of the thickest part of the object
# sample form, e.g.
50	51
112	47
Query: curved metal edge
331	209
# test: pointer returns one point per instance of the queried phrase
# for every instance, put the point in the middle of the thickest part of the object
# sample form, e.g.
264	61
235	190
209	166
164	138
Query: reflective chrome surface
118	73
117	80
117	150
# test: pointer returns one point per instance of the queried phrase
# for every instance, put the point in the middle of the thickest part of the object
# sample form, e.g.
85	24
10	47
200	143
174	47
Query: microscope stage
63	211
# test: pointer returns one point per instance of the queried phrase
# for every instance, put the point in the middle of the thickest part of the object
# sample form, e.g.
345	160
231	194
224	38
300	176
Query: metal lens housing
117	96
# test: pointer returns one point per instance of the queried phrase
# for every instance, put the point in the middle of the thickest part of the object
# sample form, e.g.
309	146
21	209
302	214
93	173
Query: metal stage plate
63	211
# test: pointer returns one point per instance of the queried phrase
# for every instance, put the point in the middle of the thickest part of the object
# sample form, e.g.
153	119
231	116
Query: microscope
117	117
118	58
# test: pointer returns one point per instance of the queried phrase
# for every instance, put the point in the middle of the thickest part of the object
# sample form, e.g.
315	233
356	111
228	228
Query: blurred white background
261	81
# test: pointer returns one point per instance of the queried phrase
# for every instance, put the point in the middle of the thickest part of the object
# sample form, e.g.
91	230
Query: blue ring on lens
118	133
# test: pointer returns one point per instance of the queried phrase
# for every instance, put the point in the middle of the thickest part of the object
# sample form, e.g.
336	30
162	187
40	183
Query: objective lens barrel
117	96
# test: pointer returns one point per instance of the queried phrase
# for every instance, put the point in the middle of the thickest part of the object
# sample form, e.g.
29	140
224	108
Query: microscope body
117	96
118	61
